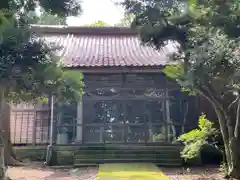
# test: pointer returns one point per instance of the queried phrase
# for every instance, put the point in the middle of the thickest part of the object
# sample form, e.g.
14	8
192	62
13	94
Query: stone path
38	173
130	171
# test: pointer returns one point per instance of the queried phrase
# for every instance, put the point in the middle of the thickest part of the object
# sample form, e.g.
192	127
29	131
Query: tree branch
220	106
219	111
236	129
2	99
234	102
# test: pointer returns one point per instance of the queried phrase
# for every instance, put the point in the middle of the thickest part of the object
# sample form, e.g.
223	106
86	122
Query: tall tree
28	68
62	8
45	18
207	33
126	21
98	24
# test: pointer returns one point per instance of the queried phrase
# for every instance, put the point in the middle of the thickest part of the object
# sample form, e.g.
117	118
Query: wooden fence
30	124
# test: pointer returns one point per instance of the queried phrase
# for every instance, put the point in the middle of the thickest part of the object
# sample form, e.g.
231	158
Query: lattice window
66	116
136	134
135	111
155	111
113	133
138	111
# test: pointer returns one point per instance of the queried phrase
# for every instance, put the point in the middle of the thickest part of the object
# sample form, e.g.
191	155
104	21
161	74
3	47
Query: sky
94	10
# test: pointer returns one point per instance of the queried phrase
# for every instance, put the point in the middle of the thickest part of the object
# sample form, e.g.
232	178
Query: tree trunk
2	164
234	165
10	156
232	151
9	153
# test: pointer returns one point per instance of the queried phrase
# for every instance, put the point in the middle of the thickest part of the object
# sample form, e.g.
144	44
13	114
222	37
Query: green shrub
195	139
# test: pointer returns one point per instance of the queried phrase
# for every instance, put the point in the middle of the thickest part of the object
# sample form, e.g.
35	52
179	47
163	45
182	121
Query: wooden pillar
79	128
51	121
101	134
168	117
49	148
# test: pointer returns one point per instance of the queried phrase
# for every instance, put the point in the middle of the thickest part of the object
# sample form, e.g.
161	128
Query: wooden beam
110	70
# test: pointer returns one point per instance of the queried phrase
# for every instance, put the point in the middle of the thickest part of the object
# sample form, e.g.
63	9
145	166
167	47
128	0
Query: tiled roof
102	47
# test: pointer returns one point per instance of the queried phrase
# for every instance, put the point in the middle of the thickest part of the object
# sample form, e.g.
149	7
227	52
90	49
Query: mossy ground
130	171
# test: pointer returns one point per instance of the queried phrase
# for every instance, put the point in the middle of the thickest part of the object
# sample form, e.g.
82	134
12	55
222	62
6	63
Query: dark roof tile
118	48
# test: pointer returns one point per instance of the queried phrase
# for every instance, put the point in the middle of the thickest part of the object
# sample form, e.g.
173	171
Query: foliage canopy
208	33
29	68
98	24
60	7
45	18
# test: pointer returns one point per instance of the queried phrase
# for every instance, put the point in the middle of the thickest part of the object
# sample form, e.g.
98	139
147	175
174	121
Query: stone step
134	155
160	155
167	162
129	160
140	153
158	164
130	149
85	165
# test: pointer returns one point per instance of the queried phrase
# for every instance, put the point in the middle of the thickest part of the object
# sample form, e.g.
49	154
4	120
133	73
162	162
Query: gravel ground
196	173
36	171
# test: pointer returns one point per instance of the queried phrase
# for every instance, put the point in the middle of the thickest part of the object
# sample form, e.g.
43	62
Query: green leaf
195	139
174	71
